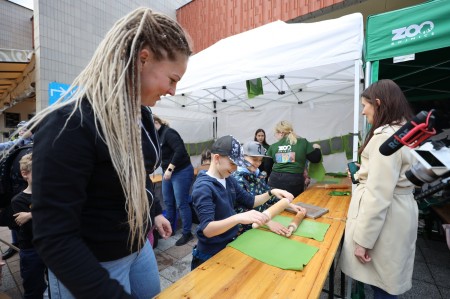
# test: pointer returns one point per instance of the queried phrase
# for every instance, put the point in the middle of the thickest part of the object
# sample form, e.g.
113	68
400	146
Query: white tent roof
309	73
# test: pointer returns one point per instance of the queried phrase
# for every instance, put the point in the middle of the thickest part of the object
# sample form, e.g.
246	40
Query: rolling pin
295	223
333	186
276	209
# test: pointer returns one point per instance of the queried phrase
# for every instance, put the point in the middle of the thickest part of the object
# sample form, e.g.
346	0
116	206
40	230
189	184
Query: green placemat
339	193
308	229
266	247
329	181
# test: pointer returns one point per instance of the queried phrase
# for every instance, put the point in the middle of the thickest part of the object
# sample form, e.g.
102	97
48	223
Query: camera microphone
412	133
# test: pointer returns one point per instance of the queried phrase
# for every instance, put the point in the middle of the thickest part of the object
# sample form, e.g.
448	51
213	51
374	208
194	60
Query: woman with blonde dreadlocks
92	205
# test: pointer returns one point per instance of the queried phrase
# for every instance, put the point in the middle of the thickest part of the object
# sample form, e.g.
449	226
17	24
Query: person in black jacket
92	204
177	178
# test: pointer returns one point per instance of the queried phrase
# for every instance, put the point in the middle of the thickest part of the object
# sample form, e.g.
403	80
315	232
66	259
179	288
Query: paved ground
430	279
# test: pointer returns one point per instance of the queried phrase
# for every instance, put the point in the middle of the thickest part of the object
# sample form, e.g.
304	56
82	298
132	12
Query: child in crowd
205	160
250	179
32	269
215	193
260	137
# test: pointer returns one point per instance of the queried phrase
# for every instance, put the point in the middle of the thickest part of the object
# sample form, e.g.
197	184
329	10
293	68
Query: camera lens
418	175
413	179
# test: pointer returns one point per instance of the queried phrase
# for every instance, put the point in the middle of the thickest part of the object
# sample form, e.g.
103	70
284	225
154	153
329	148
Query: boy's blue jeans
137	273
175	193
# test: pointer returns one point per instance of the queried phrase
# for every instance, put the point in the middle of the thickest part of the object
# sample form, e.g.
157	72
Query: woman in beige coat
381	229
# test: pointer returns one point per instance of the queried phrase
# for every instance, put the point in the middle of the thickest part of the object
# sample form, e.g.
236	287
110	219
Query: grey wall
15	26
68	32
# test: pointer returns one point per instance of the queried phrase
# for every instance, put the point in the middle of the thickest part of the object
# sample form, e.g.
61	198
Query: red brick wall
208	21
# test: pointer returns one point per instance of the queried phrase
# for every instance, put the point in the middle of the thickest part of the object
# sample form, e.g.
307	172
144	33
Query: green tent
411	47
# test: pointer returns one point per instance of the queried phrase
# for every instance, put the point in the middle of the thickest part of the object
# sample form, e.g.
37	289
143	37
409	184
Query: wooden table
232	274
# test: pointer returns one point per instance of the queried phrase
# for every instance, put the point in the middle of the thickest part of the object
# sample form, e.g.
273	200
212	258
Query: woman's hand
277	228
22	218
167	175
362	254
163	227
307	178
349	174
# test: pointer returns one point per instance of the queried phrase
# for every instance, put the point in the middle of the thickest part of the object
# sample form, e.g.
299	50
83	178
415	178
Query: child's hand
277	228
297	208
279	193
252	216
22	218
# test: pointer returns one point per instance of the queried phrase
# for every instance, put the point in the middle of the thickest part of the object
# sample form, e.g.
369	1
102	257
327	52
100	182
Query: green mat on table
266	247
329	181
308	229
340	193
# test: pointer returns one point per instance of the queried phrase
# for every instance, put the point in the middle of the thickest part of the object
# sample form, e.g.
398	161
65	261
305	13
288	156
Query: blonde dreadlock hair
111	84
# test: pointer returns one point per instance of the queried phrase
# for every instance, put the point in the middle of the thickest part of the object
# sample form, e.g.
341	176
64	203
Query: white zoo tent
311	75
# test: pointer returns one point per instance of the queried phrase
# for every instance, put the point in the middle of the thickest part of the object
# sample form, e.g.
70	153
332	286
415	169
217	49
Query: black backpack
11	181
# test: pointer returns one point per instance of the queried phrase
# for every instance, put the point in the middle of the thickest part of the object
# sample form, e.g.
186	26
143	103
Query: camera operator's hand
362	254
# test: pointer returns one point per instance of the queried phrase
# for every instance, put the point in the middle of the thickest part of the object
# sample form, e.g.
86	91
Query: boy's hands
22	218
252	216
297	208
277	228
279	193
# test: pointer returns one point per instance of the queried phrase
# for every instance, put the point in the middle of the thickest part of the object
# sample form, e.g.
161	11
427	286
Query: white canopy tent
310	74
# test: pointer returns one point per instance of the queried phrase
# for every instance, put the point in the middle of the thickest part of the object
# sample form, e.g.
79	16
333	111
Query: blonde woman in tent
290	154
381	229
92	204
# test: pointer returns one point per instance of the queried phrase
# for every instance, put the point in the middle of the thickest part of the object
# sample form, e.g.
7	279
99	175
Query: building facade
51	45
43	50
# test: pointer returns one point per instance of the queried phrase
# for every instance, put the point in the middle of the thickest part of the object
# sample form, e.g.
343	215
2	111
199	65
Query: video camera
433	157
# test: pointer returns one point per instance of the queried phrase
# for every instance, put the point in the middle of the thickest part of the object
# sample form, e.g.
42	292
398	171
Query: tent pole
368	77
215	128
367	82
356	93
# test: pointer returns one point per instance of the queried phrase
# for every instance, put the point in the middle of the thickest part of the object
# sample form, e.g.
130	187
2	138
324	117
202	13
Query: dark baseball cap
230	147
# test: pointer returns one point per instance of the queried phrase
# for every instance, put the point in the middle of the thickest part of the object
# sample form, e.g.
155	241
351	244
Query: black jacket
173	149
78	204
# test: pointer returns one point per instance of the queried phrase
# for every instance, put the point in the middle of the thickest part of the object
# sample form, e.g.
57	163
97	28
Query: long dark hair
393	109
264	143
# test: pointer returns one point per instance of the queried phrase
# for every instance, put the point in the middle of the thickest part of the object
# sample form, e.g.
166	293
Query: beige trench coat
382	217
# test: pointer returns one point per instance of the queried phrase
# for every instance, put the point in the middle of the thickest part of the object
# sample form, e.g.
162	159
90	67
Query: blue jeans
137	273
175	193
198	258
32	271
381	294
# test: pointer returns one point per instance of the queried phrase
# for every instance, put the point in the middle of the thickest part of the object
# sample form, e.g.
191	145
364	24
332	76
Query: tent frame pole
356	94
